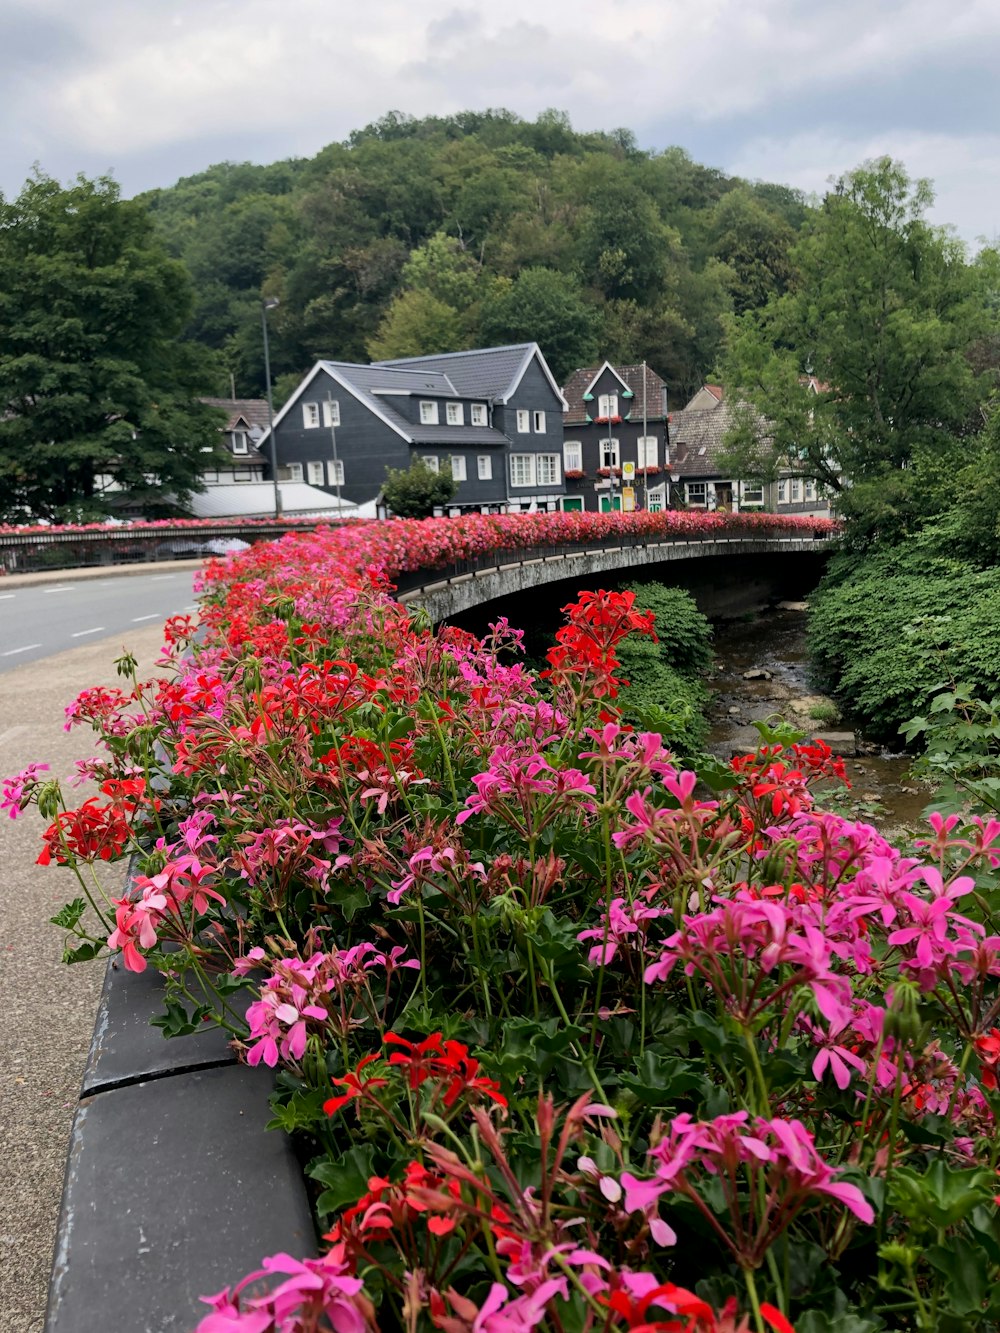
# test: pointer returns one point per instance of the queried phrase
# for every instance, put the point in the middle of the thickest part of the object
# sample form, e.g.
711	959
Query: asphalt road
43	619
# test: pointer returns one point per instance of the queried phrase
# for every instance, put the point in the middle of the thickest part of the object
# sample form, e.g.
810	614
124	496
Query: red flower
354	1085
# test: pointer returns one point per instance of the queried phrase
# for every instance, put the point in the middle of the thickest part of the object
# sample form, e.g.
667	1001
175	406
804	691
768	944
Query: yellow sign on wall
628	498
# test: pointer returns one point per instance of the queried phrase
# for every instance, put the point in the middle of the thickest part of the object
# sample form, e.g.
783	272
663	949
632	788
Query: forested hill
476	229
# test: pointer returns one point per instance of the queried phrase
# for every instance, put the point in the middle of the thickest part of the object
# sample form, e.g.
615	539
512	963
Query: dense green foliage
874	359
890	630
416	491
665	690
450	232
97	396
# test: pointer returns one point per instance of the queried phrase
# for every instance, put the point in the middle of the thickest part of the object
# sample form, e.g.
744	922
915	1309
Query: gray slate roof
378	385
486	372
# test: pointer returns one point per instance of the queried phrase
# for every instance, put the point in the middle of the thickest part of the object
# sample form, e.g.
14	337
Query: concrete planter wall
173	1187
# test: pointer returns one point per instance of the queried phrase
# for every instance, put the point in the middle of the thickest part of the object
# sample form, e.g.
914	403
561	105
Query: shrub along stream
568	1045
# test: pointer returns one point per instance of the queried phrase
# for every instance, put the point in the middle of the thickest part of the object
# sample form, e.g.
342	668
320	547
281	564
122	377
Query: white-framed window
573	456
696	493
458	465
648	451
294	471
310	415
539	422
314	473
607	405
432	462
547	469
523	422
485	465
335	472
811	491
240	445
331	412
782	498
477	414
796	490
753	493
242	474
522	469
609	453
454	414
428	414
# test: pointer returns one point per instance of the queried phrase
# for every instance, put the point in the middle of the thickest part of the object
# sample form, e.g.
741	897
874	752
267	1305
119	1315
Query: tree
863	363
547	308
415	492
417	324
97	397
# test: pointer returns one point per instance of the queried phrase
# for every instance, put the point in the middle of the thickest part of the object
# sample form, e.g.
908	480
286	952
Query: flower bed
569	1045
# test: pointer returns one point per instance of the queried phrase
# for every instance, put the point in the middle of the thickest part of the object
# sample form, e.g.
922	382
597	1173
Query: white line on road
157	577
12	652
154	616
6	596
81	632
66	587
10	733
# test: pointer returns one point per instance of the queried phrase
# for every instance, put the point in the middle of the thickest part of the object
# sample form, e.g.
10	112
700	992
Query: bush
885	634
664	692
415	492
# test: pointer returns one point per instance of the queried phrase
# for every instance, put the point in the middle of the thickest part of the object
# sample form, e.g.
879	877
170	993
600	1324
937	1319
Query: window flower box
574	473
609	471
607	421
653	470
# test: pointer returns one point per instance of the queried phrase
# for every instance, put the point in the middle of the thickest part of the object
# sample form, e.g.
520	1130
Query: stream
760	672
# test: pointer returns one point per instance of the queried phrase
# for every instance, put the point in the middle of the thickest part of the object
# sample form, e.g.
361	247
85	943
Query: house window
477	414
607	405
753	495
310	415
796	491
811	491
782	492
432	462
292	472
523	422
458	465
539	419
335	472
428	414
696	493
331	412
609	453
240	445
242	474
454	414
522	469
648	451
547	469
211	475
573	456
485	464
314	473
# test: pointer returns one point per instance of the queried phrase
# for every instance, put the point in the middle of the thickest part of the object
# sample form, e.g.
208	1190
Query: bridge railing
410	582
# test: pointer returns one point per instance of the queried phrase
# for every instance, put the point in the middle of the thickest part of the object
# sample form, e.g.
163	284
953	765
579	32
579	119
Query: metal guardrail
411	583
37	552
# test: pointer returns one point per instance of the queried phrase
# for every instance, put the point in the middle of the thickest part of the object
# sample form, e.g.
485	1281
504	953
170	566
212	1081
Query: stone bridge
734	573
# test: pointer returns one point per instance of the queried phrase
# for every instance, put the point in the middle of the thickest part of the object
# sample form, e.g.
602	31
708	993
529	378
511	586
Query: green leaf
68	917
345	1178
83	953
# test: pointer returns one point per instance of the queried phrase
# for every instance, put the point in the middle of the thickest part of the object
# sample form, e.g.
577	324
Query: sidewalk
48	1008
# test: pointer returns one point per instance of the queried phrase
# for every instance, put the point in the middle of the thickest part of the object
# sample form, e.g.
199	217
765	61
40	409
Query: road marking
12	652
10	733
6	596
81	632
65	588
154	616
162	576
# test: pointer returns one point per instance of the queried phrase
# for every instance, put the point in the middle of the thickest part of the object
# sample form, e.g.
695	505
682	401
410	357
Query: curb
98	572
174	1189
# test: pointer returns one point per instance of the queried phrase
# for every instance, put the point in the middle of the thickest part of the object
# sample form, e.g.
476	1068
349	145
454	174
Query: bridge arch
496	575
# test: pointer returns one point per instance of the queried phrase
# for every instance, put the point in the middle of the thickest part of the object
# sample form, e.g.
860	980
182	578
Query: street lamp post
270	303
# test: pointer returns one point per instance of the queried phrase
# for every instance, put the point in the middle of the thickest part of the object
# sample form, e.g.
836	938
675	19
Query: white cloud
134	80
965	170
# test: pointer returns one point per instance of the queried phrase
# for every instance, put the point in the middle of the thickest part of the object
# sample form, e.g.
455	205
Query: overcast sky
793	91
